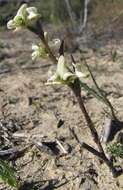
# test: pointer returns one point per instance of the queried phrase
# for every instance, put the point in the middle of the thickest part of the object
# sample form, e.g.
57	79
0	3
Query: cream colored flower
32	13
19	20
11	25
26	16
38	51
22	12
79	74
63	74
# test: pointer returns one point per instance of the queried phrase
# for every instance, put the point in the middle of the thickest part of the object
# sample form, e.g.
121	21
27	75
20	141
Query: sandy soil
30	108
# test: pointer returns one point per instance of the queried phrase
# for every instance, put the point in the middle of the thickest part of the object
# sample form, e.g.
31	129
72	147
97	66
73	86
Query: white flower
32	13
35	53
22	12
63	74
19	20
11	24
38	51
79	74
25	17
62	70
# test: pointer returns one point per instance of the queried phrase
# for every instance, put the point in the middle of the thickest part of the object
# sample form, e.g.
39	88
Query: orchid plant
28	17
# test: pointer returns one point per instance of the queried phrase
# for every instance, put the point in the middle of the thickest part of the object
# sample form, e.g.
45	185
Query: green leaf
98	94
91	91
7	174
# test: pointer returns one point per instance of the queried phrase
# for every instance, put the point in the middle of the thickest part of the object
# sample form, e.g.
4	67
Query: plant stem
77	91
101	154
51	55
38	30
102	157
76	88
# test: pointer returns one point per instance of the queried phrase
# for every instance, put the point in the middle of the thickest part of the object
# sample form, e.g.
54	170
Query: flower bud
25	17
38	51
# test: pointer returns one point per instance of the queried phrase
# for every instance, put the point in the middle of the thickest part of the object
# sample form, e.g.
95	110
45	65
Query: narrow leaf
7	174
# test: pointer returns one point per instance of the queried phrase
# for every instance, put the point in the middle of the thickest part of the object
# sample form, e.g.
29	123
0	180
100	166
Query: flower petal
80	74
53	82
53	78
67	75
61	67
19	21
32	10
35	55
32	13
22	11
26	16
35	47
11	24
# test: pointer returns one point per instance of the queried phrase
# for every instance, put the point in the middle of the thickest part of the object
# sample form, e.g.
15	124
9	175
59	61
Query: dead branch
70	13
83	19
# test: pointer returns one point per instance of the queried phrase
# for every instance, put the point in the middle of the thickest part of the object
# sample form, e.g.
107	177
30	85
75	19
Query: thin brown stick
51	55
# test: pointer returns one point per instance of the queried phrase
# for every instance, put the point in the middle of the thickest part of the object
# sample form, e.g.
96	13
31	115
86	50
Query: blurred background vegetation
100	13
53	11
